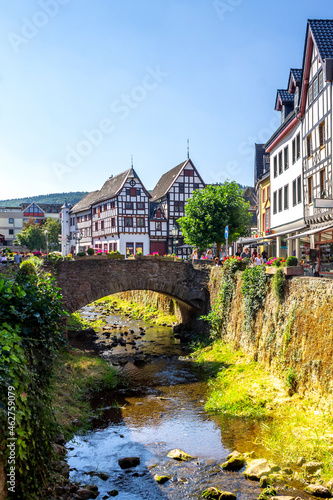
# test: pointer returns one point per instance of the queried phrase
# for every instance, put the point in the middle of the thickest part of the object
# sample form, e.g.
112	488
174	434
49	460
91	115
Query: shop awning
283	233
311	231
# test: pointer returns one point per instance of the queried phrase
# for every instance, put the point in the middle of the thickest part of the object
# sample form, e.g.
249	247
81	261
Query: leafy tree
53	227
210	210
32	236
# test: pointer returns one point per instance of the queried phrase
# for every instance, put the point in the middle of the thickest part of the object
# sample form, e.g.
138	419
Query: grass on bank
77	376
291	426
136	311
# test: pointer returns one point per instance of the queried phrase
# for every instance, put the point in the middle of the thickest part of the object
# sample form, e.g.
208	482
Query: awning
283	233
311	231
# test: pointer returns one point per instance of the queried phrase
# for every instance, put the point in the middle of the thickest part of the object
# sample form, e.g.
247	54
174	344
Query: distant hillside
72	197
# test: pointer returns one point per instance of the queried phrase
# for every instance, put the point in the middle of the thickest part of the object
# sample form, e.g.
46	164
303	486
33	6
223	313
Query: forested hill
72	197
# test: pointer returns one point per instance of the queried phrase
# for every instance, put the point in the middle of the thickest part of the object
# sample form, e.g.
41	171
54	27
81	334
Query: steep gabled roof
166	181
322	31
295	79
282	97
113	185
85	203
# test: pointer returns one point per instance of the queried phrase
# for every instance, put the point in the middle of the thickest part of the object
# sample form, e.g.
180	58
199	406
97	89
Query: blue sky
86	84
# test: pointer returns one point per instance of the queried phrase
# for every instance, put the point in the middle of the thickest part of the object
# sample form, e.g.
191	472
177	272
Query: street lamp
174	235
78	236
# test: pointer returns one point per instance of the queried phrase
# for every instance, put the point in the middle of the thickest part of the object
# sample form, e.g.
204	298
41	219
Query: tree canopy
210	210
33	235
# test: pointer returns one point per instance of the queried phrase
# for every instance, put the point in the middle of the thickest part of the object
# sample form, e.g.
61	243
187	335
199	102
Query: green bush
30	336
254	286
90	251
291	261
278	284
81	254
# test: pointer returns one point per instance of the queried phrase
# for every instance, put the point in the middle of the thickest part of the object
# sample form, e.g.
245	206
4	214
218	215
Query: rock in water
128	462
161	479
256	469
235	461
179	455
312	467
84	494
211	493
318	491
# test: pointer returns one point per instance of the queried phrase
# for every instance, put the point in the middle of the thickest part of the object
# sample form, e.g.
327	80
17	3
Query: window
320	81
96	226
132	192
179	205
298	146
102	224
310	94
309	145
100	209
11	231
275	166
113	222
181	187
264	221
196	185
128	222
280	163
94	211
263	195
280	200
268	192
322	134
140	221
294	193
286	197
322	183
188	173
140	205
129	249
274	203
310	190
299	189
128	191
128	205
286	158
112	204
158	226
315	87
267	219
11	220
105	207
139	247
293	151
138	192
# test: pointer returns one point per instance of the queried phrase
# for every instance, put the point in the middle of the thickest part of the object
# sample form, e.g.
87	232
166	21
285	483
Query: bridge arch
84	281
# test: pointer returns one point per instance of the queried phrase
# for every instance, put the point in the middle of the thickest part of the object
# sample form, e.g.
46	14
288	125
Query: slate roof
285	96
110	188
258	161
297	74
322	30
48	208
113	185
85	203
166	181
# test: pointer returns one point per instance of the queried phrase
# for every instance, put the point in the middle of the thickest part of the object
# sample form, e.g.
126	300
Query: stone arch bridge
84	281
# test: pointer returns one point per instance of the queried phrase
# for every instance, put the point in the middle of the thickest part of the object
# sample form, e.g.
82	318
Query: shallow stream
161	409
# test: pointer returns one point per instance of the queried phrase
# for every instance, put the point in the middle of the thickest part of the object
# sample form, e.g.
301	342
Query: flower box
288	271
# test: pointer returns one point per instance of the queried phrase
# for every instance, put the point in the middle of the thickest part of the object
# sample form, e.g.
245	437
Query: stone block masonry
294	337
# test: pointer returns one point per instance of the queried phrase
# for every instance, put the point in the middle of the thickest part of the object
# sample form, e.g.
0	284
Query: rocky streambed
152	438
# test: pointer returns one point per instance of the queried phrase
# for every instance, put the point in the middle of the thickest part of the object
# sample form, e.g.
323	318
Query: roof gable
169	178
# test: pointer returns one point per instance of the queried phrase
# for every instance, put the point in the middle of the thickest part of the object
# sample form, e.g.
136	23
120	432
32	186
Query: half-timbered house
114	218
167	204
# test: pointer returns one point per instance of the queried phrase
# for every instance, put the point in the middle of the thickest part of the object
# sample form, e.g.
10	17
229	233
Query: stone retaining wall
295	337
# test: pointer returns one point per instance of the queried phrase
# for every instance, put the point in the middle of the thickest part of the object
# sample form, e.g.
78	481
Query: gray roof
322	30
285	96
85	203
48	208
166	181
109	189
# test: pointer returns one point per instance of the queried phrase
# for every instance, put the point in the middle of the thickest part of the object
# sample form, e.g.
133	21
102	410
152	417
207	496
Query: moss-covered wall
294	337
162	303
